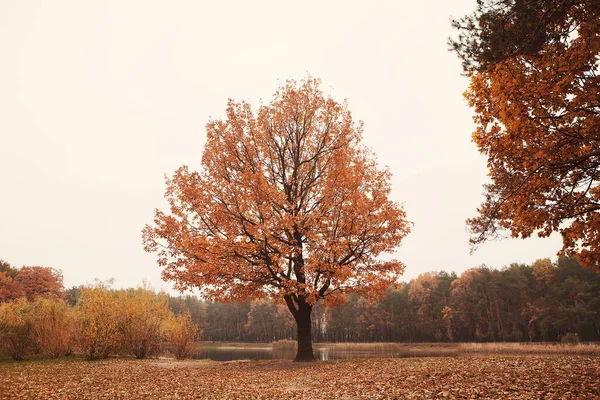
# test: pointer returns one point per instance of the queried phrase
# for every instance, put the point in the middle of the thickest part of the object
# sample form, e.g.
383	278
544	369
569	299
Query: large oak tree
288	204
536	93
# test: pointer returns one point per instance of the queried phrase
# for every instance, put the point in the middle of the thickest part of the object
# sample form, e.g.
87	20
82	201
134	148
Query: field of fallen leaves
502	377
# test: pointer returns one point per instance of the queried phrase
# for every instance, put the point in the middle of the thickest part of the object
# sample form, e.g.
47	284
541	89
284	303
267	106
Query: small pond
323	353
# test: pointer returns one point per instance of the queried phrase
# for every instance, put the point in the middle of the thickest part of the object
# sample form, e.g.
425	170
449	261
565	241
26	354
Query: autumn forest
539	302
283	236
542	302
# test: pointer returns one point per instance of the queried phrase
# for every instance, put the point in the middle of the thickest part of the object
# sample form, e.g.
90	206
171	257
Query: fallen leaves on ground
515	377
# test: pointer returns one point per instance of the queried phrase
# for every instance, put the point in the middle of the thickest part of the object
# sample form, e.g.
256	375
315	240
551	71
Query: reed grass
361	347
529	348
449	349
284	345
392	349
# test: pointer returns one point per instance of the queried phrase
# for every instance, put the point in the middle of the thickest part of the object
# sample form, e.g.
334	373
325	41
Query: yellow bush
97	322
181	334
53	326
141	316
16	327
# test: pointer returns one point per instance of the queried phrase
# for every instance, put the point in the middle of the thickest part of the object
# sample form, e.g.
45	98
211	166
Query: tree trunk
305	349
301	311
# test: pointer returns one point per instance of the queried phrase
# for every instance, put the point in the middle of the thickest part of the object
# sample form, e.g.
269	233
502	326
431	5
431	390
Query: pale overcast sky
99	99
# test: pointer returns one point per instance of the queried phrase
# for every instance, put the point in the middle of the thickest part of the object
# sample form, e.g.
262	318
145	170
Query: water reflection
231	354
323	354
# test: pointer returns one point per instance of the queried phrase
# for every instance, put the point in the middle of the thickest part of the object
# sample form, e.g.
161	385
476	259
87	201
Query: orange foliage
544	270
40	281
287	203
538	122
9	288
421	294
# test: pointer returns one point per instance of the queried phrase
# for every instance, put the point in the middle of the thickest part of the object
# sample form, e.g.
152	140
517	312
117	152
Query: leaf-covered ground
514	377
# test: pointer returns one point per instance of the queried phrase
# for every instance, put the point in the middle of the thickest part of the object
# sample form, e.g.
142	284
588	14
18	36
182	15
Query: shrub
96	322
141	316
53	326
181	334
16	327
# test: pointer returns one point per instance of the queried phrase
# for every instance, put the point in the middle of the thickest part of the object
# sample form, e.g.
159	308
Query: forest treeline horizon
542	301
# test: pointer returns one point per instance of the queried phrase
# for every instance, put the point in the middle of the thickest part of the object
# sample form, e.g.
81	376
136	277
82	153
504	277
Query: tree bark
305	349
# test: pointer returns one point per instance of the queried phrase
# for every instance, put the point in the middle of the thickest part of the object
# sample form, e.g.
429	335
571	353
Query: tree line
543	301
